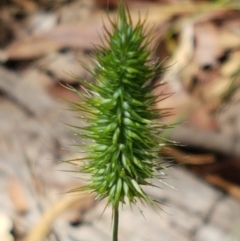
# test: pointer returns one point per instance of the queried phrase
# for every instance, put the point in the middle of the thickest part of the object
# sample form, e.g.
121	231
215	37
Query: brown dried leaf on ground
81	33
42	228
30	48
18	196
75	35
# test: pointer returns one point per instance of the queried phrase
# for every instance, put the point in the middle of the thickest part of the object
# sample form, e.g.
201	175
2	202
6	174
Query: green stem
115	223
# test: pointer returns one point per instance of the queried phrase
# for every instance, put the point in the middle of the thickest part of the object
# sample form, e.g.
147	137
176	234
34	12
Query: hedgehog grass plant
122	121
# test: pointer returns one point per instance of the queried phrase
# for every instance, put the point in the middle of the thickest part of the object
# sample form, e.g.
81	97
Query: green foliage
121	117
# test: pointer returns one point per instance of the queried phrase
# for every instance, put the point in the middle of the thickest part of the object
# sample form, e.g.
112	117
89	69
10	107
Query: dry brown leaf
76	35
42	228
81	34
31	47
18	197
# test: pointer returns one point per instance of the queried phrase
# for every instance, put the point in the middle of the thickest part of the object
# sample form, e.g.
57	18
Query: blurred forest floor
41	46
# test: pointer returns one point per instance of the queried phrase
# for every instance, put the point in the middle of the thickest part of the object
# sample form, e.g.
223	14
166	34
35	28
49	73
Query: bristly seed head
121	118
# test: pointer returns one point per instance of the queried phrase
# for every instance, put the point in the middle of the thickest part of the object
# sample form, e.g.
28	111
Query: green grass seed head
121	119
